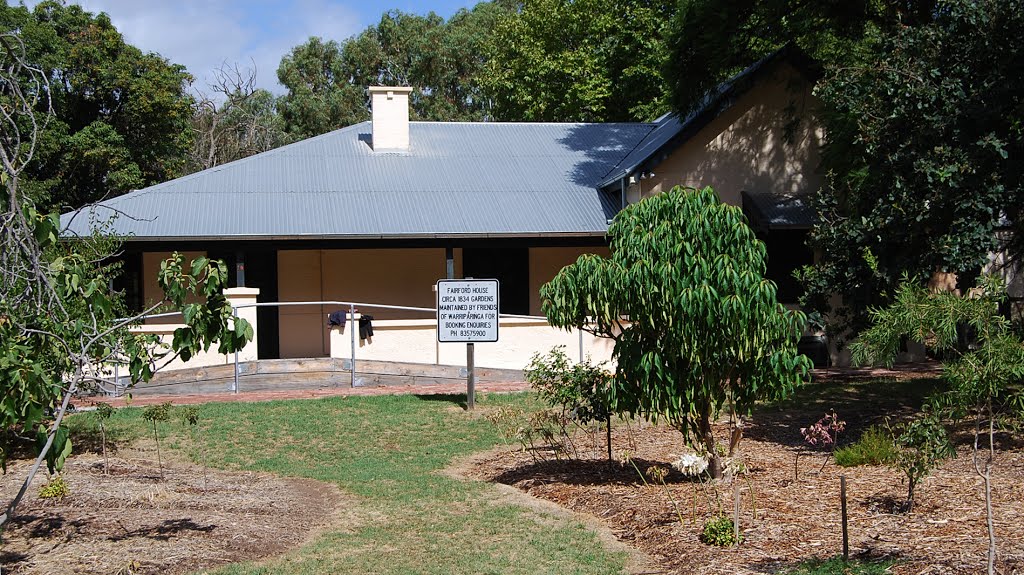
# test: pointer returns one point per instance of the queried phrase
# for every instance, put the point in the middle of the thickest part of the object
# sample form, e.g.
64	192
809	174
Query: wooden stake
736	513
846	535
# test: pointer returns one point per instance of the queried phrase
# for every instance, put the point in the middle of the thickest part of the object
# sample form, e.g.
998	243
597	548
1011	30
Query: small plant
581	391
515	424
155	414
103	412
190	419
658	474
719	531
922	444
824	433
875	447
55	488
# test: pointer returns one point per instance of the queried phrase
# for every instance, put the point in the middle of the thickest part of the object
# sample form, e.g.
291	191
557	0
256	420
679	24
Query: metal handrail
352	311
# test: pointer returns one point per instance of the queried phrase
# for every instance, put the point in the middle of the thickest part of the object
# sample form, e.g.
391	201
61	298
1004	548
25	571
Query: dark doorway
510	266
261	273
787	252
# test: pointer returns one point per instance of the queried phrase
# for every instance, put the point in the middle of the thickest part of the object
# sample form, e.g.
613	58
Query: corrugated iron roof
457	179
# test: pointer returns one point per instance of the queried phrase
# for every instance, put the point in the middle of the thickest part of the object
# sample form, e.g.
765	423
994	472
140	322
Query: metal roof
456	179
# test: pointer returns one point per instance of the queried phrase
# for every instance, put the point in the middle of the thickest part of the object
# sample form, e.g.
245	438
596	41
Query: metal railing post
234	384
352	332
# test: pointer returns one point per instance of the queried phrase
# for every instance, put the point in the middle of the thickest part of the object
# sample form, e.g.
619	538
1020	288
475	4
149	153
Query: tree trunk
708	437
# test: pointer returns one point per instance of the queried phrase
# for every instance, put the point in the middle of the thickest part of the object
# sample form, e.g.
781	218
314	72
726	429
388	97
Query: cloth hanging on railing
337	319
365	329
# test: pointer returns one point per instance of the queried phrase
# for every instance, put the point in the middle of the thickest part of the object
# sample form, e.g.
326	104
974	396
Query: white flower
691	464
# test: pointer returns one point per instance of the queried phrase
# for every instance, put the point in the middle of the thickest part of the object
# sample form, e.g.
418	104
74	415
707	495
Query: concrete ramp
316	373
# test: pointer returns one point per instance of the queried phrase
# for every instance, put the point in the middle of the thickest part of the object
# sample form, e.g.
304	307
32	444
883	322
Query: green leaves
59	451
923	129
121	116
582	61
694	322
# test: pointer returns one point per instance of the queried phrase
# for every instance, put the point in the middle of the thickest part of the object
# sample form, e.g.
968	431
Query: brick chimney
390	105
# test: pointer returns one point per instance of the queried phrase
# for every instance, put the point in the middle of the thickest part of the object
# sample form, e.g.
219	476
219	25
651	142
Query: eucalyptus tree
579	61
697	328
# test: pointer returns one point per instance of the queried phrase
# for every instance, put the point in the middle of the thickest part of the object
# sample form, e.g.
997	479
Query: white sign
467	311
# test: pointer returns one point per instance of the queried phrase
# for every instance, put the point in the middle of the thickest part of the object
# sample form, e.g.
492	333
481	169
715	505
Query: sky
204	34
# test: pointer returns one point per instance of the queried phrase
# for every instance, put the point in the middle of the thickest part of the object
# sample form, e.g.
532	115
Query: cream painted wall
415	341
302	328
151	292
746	148
386	276
546	262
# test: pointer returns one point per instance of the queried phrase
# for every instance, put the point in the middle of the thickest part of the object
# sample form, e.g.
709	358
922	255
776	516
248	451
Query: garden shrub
875	447
55	488
719	531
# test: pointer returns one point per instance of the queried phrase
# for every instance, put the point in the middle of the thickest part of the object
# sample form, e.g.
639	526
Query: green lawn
387	451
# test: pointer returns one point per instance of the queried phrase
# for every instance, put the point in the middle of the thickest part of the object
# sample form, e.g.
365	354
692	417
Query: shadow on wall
768	141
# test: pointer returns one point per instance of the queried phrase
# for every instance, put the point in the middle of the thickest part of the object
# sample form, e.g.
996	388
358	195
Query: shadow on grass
165	530
45	525
457	399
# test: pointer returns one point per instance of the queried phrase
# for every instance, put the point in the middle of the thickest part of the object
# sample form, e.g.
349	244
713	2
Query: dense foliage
696	326
441	60
120	116
579	61
925	140
709	41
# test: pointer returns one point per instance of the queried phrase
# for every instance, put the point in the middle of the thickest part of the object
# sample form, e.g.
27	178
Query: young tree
984	369
61	328
696	326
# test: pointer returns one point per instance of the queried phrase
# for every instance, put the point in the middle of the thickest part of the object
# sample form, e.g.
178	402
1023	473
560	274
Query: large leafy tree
925	142
696	326
579	60
120	116
709	41
440	59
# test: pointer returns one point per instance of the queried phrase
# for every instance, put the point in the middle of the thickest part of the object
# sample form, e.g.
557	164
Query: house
379	211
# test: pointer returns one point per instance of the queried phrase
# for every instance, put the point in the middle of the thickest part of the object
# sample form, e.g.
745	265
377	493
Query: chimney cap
398	89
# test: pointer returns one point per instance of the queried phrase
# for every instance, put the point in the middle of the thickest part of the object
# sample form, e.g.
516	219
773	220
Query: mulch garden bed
793	513
132	521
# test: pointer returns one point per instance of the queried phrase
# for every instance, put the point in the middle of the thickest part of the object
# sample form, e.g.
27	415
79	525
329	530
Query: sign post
467	312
